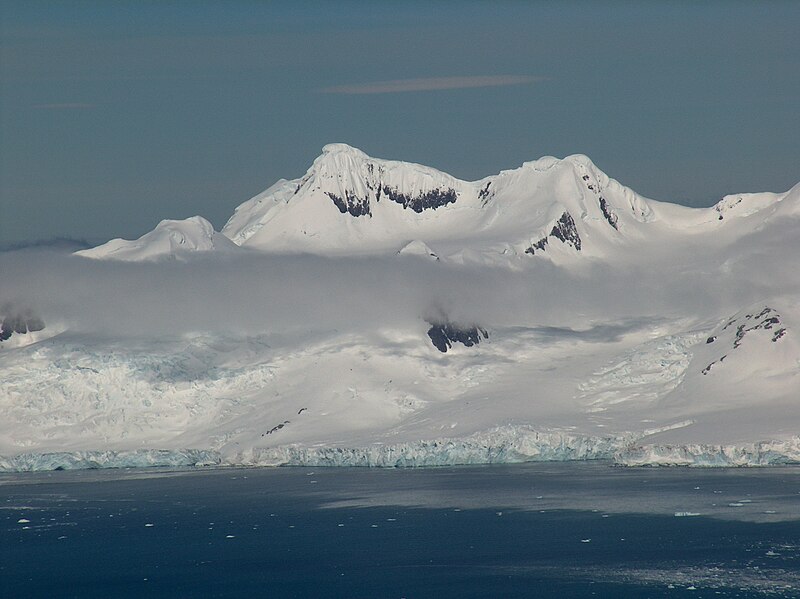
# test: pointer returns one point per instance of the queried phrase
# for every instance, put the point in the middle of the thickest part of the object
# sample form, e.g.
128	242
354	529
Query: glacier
503	445
84	460
610	327
764	453
512	445
506	445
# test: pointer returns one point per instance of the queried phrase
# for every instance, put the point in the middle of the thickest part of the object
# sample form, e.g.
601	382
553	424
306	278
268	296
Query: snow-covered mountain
389	314
348	203
172	238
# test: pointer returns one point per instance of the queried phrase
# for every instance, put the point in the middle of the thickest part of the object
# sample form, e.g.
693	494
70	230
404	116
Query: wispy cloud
396	86
65	106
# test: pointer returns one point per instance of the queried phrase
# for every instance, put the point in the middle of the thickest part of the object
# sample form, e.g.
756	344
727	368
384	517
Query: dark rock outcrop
430	200
443	335
564	230
610	216
539	245
354	205
351	204
276	428
767	319
15	320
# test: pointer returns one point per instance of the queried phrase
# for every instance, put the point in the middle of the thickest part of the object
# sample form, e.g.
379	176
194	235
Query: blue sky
114	116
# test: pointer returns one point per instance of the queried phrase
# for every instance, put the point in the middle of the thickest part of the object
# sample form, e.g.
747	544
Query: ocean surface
529	530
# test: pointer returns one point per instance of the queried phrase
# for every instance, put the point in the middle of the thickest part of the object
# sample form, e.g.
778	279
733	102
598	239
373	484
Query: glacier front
381	313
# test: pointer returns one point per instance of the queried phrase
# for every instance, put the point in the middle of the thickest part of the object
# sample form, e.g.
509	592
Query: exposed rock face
18	320
484	193
610	216
564	230
444	335
351	204
432	200
354	182
767	319
357	206
539	245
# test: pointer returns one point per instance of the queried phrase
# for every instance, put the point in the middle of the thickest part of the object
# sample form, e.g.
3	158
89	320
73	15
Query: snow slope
544	313
348	203
171	239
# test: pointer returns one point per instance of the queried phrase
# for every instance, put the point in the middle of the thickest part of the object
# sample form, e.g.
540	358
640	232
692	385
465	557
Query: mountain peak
342	148
350	203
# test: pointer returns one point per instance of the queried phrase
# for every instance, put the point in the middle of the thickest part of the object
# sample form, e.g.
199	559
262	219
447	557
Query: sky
116	115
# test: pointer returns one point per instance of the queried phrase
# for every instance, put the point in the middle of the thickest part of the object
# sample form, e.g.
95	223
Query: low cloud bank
262	293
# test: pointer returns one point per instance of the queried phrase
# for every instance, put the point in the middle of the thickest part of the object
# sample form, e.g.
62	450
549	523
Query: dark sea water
532	530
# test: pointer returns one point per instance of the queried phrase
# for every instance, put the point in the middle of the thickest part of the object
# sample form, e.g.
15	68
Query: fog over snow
375	312
254	294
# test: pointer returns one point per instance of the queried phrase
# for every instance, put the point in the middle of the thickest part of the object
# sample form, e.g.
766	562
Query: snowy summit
384	313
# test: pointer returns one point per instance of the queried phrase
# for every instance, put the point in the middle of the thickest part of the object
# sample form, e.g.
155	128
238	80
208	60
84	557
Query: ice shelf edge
504	445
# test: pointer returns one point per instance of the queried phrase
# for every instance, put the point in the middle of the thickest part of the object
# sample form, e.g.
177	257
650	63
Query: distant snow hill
170	239
622	328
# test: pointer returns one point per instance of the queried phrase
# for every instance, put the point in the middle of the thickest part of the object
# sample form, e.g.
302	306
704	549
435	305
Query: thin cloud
65	106
430	84
286	294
